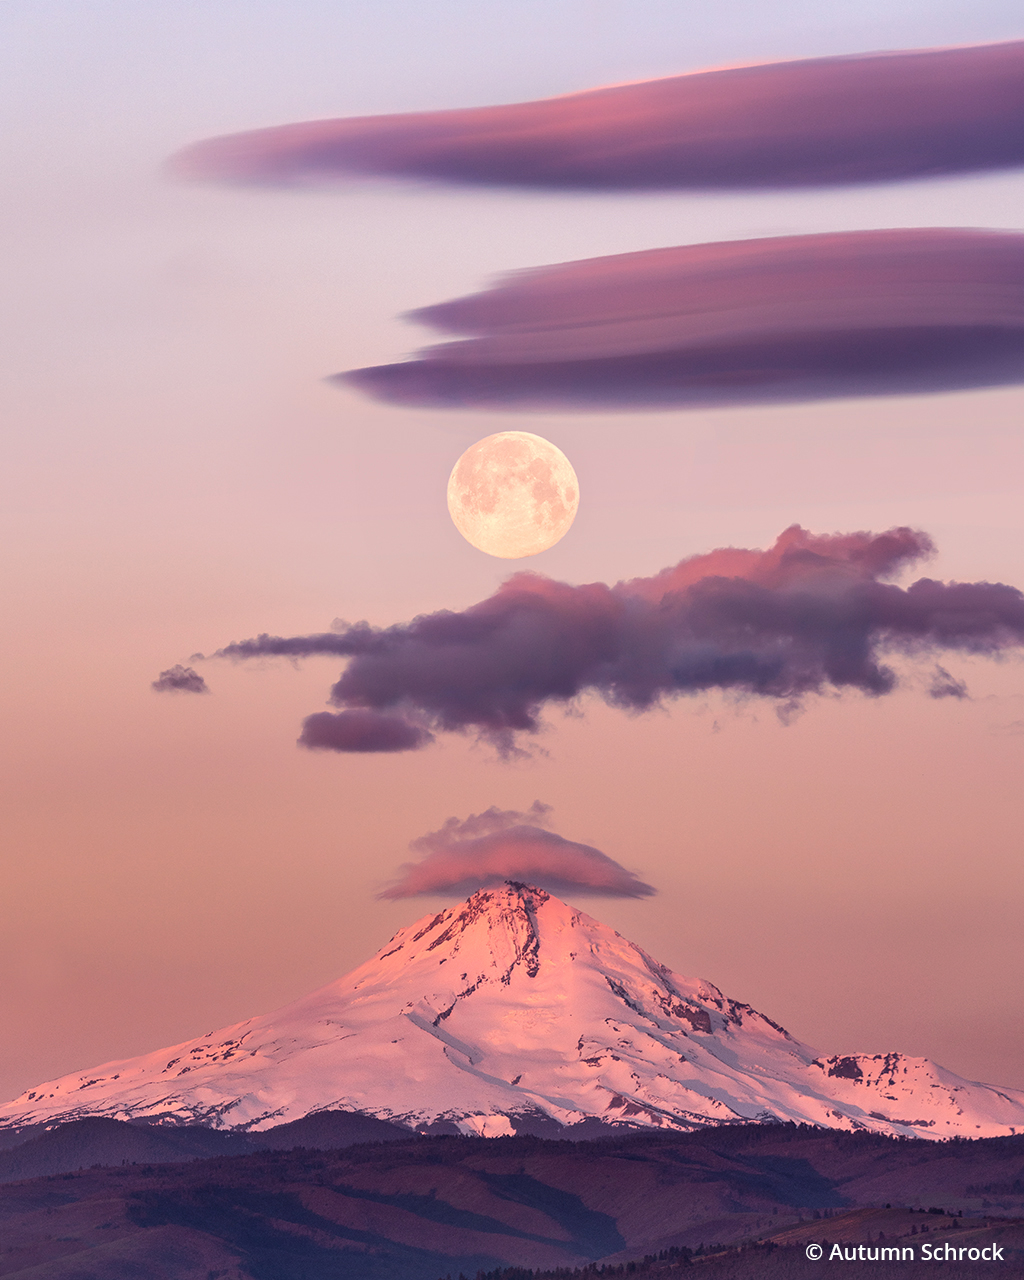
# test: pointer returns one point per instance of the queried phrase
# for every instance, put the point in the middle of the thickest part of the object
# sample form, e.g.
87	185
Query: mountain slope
515	1012
101	1140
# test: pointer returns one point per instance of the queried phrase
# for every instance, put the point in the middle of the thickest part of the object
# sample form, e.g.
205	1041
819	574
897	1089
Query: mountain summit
514	1012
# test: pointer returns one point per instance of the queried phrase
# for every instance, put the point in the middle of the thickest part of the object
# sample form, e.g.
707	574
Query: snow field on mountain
509	1009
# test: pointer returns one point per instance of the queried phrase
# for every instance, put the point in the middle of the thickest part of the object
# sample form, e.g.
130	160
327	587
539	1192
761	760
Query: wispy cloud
943	685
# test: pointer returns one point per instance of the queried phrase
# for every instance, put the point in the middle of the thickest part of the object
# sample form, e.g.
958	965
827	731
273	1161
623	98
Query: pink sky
178	474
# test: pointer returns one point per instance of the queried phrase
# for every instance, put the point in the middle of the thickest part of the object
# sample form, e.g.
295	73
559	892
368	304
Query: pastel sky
178	473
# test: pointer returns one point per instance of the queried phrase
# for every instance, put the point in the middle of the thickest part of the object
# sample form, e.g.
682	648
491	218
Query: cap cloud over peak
489	848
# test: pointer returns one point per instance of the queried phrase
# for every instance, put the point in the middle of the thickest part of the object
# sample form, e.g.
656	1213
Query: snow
514	1005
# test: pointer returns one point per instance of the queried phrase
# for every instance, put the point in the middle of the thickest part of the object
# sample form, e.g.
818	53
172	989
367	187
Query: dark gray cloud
361	730
811	614
747	321
505	844
866	118
179	679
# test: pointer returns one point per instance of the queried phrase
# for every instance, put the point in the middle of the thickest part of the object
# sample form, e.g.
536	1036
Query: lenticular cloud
744	321
361	731
503	844
865	118
810	615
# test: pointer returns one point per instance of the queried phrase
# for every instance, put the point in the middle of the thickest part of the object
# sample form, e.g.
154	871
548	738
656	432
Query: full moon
513	494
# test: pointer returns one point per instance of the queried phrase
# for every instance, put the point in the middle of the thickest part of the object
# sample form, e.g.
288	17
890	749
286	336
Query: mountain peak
496	922
513	1011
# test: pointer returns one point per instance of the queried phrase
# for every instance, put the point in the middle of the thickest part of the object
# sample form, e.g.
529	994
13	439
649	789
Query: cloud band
864	118
749	321
812	613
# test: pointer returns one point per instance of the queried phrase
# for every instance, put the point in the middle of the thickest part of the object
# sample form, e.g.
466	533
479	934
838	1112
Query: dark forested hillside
429	1207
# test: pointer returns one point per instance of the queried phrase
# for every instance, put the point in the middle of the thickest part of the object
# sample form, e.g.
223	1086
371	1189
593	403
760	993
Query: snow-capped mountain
514	1011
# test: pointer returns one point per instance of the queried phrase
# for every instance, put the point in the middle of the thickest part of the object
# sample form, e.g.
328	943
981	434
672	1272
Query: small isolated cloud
179	679
503	844
361	731
787	318
812	614
943	685
866	118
